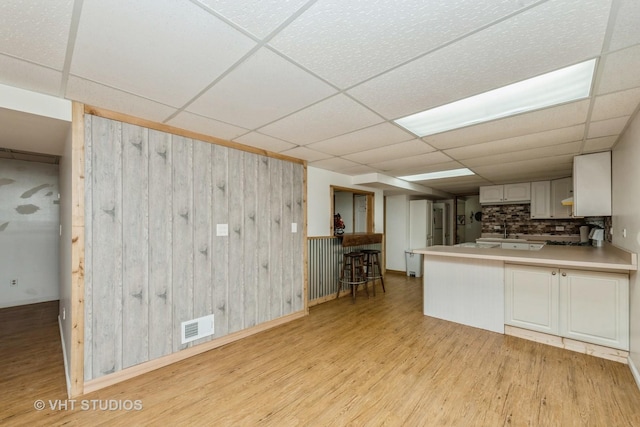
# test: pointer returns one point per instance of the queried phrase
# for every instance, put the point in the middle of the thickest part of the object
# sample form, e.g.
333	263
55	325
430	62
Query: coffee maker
597	236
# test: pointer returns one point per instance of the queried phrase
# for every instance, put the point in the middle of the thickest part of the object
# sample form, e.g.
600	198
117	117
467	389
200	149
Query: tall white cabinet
587	306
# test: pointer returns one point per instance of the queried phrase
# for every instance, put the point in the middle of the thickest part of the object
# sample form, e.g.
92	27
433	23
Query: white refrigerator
420	224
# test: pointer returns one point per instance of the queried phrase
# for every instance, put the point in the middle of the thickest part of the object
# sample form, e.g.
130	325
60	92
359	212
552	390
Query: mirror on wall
355	210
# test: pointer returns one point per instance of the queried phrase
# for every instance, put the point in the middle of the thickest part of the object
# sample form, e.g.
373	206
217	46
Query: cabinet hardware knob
564	274
553	273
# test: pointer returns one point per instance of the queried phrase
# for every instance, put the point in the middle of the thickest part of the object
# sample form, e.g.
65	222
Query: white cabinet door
592	184
540	198
531	298
520	192
594	307
491	194
561	189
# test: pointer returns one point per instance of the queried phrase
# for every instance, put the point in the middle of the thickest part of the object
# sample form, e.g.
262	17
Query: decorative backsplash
519	221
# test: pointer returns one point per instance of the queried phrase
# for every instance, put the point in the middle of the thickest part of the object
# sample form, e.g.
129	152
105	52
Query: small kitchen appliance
596	236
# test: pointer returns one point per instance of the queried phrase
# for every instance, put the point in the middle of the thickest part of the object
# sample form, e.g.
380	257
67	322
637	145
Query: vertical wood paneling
154	259
182	190
202	250
264	222
236	242
220	261
160	245
250	239
298	244
275	243
107	248
288	256
88	249
135	227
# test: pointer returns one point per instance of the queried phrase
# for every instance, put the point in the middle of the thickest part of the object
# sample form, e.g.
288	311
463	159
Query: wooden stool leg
377	262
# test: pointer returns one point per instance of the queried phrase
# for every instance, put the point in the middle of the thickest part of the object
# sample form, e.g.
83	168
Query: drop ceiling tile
390	152
305	153
566	115
206	126
525	167
26	75
112	99
534	153
259	17
372	137
329	118
616	104
364	41
261	90
625	30
132	54
334	164
599	144
518	143
422	160
255	139
509	51
620	71
607	127
36	31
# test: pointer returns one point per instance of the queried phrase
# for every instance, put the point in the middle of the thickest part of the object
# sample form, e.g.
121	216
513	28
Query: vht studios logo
88	405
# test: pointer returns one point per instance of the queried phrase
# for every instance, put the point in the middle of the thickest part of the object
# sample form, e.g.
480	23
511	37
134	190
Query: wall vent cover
197	328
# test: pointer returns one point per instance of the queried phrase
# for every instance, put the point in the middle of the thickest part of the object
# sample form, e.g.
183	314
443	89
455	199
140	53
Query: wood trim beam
108	114
76	372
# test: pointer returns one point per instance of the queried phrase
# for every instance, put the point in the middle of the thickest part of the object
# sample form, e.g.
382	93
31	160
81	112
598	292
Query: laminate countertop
607	257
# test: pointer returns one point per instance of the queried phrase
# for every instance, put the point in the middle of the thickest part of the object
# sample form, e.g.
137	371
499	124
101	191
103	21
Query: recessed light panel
557	87
438	175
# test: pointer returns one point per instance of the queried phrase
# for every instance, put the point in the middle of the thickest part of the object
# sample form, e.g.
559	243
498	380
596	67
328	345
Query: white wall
343	205
319	215
28	232
397	232
626	216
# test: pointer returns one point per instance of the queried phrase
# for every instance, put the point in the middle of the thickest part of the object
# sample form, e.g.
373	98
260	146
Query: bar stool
352	273
372	267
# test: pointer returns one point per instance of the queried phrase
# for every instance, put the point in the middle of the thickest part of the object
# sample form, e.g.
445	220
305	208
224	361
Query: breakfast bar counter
502	290
608	257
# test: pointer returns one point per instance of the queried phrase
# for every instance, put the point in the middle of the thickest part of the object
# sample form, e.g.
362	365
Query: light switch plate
559	227
222	229
294	227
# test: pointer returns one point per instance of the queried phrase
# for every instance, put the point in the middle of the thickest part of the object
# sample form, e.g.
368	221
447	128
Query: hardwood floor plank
378	362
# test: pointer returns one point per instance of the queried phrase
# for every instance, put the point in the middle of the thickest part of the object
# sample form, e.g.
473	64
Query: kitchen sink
500	240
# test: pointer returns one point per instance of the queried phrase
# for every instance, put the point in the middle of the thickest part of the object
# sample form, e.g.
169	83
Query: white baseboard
65	360
634	371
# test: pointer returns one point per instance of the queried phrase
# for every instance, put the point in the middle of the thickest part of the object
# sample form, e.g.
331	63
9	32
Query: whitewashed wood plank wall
153	258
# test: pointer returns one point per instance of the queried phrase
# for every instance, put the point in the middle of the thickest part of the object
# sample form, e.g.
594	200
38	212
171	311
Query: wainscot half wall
179	227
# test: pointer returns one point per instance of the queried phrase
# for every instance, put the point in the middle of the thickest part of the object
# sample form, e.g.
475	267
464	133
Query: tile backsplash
519	221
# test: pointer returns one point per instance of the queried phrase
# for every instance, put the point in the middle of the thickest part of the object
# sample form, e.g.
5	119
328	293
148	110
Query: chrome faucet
504	228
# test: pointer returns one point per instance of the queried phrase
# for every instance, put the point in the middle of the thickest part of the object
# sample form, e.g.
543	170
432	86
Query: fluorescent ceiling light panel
437	175
557	87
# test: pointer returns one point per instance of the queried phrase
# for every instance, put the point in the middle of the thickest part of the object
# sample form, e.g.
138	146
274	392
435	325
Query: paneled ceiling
323	80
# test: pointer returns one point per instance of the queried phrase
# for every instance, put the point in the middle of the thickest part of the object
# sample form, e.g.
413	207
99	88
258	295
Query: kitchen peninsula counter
607	258
467	284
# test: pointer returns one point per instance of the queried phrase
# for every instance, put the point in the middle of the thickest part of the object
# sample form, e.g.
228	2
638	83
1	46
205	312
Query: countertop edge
627	260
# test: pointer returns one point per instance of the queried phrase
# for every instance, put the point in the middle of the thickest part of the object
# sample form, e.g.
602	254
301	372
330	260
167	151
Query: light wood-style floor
376	362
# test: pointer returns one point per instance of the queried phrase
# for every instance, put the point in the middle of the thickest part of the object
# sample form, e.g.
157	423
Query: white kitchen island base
463	290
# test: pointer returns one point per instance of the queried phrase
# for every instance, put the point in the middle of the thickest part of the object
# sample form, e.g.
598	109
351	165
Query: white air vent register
197	328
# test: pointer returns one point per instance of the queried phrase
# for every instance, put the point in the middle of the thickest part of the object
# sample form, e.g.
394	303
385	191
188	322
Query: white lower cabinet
594	307
582	305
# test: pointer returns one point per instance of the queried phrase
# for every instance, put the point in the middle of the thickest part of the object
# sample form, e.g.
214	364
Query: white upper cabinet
547	197
541	199
592	184
507	193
